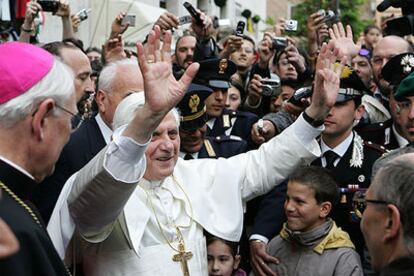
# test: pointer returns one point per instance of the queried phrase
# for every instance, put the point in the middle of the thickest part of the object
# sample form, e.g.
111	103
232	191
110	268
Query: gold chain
21	203
177	227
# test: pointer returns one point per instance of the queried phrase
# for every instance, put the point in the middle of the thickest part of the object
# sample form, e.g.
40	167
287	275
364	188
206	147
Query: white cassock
119	214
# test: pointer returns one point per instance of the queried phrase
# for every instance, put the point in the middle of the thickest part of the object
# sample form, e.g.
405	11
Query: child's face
302	211
220	260
372	37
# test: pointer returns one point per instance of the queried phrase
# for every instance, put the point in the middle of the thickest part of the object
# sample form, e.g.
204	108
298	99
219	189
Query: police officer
216	74
194	143
346	154
404	97
390	133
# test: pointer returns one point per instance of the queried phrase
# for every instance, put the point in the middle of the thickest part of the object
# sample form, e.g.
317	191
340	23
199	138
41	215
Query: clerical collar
150	184
16	178
105	130
400	140
339	149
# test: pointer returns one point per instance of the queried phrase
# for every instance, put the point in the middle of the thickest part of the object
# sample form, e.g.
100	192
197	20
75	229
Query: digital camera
49	5
279	43
300	94
329	17
291	25
83	14
271	87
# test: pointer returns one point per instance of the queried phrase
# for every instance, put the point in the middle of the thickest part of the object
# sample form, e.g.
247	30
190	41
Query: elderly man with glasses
388	220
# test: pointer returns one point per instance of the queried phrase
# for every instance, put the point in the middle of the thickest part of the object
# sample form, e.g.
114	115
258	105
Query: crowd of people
213	154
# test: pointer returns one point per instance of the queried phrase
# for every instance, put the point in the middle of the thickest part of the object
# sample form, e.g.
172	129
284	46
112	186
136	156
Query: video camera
403	25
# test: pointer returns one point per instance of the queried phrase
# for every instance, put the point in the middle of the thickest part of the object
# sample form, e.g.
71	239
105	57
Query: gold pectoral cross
183	257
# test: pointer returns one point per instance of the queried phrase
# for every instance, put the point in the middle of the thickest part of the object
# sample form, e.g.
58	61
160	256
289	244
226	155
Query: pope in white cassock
141	210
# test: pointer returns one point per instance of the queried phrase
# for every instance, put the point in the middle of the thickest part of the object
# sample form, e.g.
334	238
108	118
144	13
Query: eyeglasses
360	202
76	119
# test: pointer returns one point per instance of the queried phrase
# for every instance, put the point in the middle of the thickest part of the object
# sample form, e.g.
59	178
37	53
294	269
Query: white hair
108	73
57	84
129	105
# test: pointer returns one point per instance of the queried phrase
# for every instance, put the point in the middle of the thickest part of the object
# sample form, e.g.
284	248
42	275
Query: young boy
310	243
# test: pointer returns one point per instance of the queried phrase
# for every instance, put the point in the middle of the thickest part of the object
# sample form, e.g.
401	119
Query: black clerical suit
37	255
83	145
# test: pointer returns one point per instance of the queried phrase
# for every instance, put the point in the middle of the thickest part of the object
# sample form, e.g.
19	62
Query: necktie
330	157
188	156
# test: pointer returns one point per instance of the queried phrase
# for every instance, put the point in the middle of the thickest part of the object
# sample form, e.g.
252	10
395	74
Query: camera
49	5
129	19
300	94
271	87
240	28
403	25
329	17
279	43
291	25
83	14
193	13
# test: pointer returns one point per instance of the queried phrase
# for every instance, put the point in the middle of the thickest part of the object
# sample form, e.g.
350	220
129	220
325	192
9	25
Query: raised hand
162	90
64	9
167	21
326	85
344	40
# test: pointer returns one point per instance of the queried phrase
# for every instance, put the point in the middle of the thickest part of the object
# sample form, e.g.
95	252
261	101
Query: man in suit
216	74
117	80
37	103
194	143
387	220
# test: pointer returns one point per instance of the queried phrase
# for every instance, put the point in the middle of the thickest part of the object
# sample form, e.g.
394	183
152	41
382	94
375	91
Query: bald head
386	48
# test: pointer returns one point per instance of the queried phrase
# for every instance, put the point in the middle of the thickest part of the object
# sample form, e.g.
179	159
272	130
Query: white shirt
340	149
105	130
402	142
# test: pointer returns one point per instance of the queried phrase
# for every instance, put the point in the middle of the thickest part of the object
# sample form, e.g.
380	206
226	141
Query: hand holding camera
32	9
265	50
63	9
230	45
295	58
262	131
167	21
117	27
202	24
271	86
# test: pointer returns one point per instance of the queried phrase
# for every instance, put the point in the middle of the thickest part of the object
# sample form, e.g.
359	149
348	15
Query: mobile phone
240	28
193	13
83	14
184	20
129	18
49	5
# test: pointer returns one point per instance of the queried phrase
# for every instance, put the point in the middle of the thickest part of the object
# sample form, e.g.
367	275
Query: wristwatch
311	121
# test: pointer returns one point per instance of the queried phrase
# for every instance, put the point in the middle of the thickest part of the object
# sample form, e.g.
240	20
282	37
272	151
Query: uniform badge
407	62
222	66
193	103
361	178
357	152
226	120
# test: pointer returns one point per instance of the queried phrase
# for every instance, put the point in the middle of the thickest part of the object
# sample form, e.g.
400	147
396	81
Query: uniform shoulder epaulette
376	147
376	126
225	138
